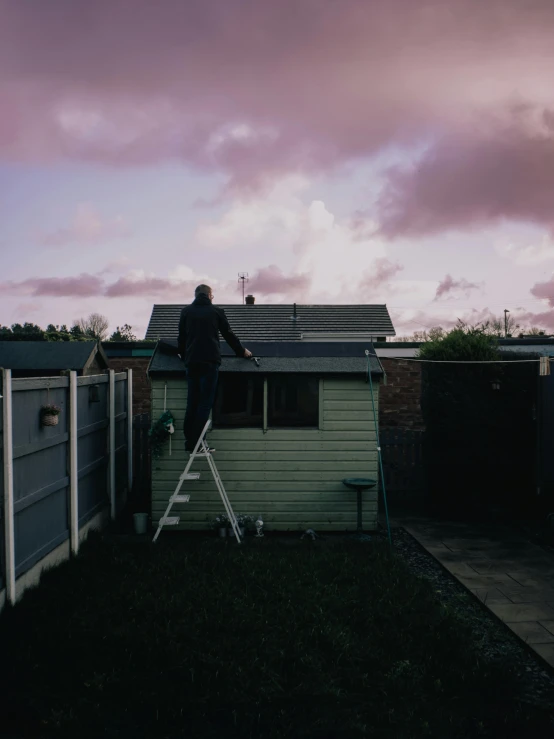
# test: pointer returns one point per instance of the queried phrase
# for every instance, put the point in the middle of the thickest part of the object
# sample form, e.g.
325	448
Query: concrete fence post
129	431
73	464
9	527
112	444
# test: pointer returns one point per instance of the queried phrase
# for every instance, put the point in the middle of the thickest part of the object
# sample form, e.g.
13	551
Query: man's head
204	290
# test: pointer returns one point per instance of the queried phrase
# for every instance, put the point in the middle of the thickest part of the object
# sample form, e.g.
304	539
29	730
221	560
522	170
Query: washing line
466	361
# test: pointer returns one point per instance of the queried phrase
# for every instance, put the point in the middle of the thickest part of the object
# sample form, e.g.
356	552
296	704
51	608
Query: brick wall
141	383
399	399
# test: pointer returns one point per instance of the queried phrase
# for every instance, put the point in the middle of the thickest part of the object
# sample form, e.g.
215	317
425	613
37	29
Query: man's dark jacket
199	328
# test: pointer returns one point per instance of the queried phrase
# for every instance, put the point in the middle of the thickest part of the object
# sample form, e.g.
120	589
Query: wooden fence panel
40	471
2	541
142	461
403	469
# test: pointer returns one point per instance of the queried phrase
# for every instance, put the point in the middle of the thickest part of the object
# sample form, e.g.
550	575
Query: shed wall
292	477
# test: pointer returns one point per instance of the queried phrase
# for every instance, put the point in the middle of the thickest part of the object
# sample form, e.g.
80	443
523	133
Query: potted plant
243	521
160	432
221	523
49	414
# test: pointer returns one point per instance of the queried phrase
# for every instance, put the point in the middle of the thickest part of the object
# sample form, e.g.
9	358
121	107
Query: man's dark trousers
201	388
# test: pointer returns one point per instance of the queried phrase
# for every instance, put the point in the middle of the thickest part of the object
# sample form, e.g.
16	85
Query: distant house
289	322
51	358
288	429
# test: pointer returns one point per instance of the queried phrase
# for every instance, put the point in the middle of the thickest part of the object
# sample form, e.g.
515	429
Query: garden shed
287	429
52	358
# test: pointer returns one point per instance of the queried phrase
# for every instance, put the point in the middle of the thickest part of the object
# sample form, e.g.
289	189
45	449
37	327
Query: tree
76	333
26	332
57	333
94	327
533	331
469	343
125	333
433	333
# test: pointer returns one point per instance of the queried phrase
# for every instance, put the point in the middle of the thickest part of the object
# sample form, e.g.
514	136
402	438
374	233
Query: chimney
249	300
294	317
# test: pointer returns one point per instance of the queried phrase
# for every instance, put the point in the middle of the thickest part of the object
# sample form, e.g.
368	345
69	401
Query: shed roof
332	357
275	322
48	355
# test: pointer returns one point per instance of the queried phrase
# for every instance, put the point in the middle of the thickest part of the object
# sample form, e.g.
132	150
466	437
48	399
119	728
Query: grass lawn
199	637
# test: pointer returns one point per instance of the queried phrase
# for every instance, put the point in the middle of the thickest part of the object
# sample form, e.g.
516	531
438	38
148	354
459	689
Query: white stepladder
200	450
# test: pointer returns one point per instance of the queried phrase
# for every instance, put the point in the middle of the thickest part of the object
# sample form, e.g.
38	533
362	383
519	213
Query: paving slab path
511	576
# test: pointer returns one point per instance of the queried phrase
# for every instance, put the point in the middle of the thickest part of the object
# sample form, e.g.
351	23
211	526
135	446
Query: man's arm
229	336
182	338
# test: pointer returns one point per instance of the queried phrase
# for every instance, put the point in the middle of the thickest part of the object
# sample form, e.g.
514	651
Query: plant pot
50	420
140	521
222	532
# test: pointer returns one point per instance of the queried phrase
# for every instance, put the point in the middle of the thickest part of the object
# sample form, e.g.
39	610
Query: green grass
198	637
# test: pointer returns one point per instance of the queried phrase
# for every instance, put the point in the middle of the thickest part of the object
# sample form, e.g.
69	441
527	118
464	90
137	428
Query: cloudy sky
339	151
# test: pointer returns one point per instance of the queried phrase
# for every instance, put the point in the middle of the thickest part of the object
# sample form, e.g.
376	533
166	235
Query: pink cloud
474	182
29	307
545	291
82	286
271	281
256	90
449	286
149	286
382	271
87	228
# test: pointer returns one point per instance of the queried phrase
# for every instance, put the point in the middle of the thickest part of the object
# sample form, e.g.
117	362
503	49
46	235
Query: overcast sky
339	151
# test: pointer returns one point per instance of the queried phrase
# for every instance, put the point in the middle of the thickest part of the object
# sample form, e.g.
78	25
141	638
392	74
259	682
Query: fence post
73	464
9	530
129	431
112	443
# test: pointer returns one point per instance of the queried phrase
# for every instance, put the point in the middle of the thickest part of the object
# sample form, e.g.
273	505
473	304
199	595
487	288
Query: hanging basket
160	432
50	420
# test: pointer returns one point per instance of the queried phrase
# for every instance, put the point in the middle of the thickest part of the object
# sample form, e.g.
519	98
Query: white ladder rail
224	498
200	450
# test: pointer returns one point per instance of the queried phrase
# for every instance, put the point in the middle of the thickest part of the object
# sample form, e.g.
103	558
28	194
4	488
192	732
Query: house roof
275	322
48	355
332	357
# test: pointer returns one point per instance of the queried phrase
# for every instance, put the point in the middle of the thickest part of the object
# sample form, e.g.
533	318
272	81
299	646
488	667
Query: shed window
293	400
239	401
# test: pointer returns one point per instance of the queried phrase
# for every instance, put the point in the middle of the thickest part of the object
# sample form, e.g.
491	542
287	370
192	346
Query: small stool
359	484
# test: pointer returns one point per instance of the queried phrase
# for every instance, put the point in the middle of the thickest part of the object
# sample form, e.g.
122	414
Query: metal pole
9	527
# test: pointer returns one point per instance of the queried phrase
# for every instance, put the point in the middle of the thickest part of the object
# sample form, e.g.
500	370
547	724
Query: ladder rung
180	498
169	520
190	476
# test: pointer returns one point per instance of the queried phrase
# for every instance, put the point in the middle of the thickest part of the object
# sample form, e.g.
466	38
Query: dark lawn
199	637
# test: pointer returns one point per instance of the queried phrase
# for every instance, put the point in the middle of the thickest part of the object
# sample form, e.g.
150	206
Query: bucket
141	522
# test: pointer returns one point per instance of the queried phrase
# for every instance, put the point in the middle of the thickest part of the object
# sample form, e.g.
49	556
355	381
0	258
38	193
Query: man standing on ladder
199	328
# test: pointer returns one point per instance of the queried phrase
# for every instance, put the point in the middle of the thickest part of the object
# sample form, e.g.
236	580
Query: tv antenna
243	277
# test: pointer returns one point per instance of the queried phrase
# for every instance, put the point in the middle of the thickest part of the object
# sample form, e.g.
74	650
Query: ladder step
190	476
180	498
169	520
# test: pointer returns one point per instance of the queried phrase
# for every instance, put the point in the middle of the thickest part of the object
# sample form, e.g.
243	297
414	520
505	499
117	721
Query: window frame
264	424
219	399
318	401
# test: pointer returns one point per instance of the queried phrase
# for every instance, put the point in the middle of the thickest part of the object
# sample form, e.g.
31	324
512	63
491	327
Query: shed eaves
45	355
332	358
276	322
